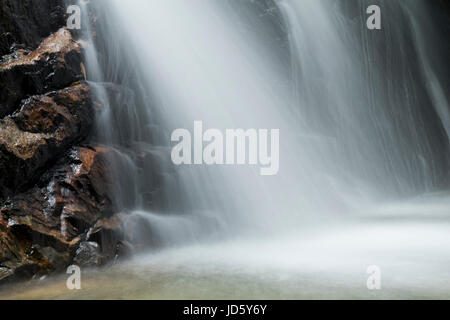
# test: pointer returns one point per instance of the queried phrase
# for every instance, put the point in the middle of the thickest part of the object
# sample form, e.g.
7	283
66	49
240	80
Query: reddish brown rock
44	128
44	229
55	64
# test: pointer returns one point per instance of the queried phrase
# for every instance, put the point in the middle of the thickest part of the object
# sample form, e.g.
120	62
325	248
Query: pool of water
412	253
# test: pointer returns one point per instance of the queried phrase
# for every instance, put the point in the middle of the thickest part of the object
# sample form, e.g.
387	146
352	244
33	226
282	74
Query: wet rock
56	197
5	273
44	128
54	260
55	64
26	22
20	259
108	232
88	255
41	230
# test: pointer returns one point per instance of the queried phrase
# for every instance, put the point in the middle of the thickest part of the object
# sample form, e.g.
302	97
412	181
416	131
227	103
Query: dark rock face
25	22
55	64
44	128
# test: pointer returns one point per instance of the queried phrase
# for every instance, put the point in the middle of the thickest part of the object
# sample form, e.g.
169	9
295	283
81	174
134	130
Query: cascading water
245	88
359	87
363	119
346	134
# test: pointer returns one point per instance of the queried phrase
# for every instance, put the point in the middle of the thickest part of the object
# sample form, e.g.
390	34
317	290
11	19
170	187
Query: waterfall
362	87
351	116
355	122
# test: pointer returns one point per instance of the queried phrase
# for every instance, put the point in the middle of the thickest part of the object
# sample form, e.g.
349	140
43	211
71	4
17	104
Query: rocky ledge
55	64
67	217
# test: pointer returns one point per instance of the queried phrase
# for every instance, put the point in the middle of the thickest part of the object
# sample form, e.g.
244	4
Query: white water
342	146
345	159
201	63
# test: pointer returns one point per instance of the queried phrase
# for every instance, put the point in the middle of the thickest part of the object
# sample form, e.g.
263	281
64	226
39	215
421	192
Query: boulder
71	207
88	255
55	64
44	128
